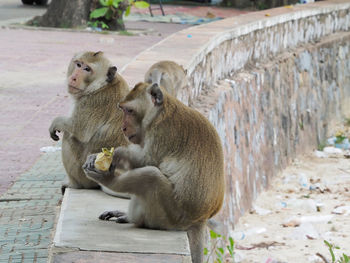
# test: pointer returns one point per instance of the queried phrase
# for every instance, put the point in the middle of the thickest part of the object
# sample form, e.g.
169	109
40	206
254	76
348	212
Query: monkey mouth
73	90
131	137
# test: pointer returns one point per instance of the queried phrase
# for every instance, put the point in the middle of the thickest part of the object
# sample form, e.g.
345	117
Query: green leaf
232	242
206	251
109	14
346	258
92	24
103	2
127	11
213	235
141	4
104	25
116	3
98	12
109	2
327	243
330	246
219	257
221	250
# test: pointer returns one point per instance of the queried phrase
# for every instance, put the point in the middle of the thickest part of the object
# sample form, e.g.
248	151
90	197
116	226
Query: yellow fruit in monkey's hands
104	159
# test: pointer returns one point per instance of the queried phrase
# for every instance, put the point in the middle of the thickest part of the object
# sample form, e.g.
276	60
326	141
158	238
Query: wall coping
190	46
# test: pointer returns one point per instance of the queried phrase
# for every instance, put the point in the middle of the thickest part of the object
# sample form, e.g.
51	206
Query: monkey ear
157	94
111	73
185	70
97	53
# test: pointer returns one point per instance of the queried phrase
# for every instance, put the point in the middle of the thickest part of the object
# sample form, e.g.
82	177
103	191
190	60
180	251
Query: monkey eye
130	111
78	64
87	69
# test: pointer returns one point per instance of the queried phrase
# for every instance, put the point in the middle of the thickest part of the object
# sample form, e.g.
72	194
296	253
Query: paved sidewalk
28	212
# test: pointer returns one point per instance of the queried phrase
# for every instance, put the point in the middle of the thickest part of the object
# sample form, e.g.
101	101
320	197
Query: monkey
173	168
169	75
95	122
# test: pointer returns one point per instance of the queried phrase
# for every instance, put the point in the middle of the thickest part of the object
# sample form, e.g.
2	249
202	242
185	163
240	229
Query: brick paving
28	211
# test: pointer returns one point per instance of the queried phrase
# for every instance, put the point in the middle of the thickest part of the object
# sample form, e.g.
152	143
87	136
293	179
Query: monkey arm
139	181
133	154
60	124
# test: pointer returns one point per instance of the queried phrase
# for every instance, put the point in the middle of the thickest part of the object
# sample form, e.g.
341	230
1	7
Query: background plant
108	14
218	242
343	258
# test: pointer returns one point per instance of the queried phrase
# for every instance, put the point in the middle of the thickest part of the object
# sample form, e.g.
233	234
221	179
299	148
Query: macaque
174	168
169	75
95	122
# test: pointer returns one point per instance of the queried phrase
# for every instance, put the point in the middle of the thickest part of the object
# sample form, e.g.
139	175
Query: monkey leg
142	182
196	239
152	204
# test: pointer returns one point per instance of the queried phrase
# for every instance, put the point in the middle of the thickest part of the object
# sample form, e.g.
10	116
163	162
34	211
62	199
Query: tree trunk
64	13
117	23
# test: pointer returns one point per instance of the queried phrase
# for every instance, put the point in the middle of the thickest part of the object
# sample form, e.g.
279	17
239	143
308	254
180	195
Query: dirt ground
309	202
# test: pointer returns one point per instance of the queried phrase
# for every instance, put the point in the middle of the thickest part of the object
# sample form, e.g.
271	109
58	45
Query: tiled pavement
28	211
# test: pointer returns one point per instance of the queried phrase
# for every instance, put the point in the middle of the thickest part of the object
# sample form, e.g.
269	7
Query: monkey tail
216	226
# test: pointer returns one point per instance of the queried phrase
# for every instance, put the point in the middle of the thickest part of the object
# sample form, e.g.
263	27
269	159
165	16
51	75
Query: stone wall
256	41
271	83
268	114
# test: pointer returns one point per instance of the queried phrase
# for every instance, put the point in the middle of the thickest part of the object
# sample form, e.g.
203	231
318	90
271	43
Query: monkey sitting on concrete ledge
95	122
169	75
174	169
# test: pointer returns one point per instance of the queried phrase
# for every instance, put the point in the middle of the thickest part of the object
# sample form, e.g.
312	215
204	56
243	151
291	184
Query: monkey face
80	78
140	107
131	124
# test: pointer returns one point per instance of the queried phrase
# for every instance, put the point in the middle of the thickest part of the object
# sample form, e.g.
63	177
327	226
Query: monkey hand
93	173
53	131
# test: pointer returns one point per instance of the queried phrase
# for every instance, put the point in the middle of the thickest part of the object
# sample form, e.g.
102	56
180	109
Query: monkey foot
121	216
122	220
63	188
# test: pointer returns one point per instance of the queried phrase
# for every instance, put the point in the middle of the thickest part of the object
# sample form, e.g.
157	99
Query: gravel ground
309	202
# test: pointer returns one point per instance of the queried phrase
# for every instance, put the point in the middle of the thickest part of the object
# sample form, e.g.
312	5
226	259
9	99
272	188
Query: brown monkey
169	75
174	170
95	122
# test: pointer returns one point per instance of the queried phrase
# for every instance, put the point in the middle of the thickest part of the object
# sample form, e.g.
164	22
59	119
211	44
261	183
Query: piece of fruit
104	159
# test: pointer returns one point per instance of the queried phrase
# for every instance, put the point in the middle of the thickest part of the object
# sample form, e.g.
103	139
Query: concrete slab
79	228
108	257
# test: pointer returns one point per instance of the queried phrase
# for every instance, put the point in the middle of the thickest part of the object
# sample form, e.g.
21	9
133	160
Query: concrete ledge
79	230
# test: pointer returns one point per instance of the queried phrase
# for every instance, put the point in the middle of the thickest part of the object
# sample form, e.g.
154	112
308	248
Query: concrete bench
81	235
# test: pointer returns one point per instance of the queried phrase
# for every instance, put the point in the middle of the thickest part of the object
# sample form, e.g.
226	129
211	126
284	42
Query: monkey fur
174	168
95	122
